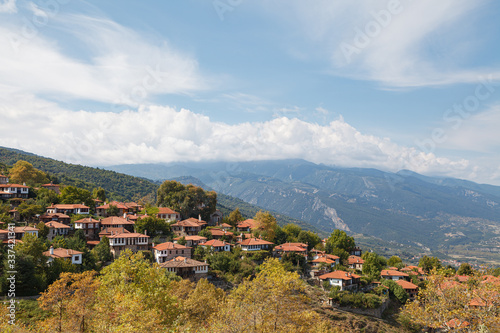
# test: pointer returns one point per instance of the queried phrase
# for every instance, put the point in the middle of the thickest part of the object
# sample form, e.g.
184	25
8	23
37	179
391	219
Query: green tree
112	210
28	210
394	261
465	269
46	197
43	230
267	224
339	239
24	172
188	200
373	265
308	237
205	233
396	291
182	241
429	263
292	230
154	226
102	251
99	193
75	195
235	217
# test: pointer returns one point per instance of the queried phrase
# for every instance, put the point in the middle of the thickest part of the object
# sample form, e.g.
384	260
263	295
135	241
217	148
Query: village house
192	241
409	287
215	218
220	233
103	210
52	187
299	248
344	280
3	179
247	225
128	240
117	222
9	191
109	231
225	226
255	244
14	215
4	236
57	229
168	214
76	257
393	275
241	237
57	217
217	245
356	251
188	227
20	231
168	250
90	227
331	262
186	267
355	262
67	209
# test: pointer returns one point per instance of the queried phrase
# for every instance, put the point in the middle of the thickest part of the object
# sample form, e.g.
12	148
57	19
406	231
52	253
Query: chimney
124	215
199	217
51	250
145	232
185	259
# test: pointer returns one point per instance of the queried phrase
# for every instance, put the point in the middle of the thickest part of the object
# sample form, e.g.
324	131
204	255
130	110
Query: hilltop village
51	232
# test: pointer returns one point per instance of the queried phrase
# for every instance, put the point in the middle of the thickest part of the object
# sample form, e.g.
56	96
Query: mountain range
454	217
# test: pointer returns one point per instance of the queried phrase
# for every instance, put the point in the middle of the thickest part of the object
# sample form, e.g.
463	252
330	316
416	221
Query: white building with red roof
168	250
20	231
57	229
67	209
342	279
247	226
168	214
255	244
8	191
188	227
299	248
217	245
76	257
186	267
117	222
192	241
393	275
133	241
355	262
90	227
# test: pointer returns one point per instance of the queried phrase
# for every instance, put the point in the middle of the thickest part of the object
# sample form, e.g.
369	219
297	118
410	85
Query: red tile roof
13	185
255	241
56	225
87	220
115	220
249	223
324	259
191	238
339	275
182	262
68	206
291	247
219	232
355	260
128	235
407	285
166	210
389	272
215	243
170	246
62	253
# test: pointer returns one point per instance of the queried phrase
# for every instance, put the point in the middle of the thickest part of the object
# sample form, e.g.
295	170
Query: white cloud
396	43
8	6
106	62
162	134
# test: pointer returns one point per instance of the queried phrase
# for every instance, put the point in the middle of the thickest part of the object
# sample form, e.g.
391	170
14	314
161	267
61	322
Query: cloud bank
163	134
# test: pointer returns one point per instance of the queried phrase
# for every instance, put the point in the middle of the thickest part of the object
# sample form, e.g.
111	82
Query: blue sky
385	84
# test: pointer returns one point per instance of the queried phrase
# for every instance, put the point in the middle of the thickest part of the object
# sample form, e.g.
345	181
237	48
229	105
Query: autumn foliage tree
447	303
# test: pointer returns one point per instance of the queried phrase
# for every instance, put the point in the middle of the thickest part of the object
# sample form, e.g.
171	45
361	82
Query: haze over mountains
441	214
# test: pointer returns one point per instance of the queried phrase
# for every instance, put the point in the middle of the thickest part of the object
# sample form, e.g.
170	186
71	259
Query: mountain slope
442	214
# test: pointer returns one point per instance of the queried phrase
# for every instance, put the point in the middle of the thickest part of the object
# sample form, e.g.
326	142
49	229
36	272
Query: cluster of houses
176	255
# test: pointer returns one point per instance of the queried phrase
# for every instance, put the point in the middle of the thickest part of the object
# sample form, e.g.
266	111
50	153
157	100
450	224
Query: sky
390	85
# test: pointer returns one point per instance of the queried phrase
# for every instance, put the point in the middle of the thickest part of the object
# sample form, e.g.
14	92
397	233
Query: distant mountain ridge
443	214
